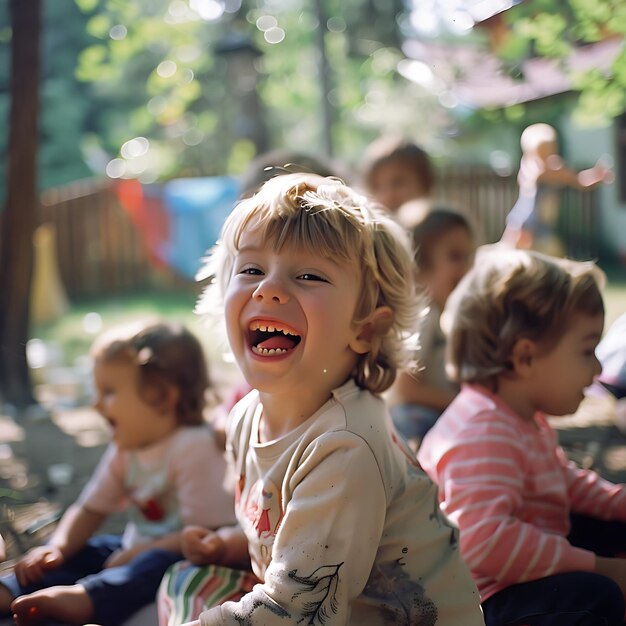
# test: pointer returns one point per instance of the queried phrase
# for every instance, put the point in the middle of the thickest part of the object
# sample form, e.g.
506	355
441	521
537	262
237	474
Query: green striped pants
187	590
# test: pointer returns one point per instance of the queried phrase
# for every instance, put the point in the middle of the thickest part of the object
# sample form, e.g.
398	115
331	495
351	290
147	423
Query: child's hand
32	566
202	546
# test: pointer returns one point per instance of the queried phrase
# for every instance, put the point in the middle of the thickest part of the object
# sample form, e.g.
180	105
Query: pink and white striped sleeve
590	494
482	480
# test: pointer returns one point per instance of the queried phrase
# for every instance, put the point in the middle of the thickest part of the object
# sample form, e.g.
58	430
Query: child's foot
70	605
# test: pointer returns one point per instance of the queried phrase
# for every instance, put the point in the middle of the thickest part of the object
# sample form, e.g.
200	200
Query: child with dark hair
395	171
283	161
444	250
539	534
163	466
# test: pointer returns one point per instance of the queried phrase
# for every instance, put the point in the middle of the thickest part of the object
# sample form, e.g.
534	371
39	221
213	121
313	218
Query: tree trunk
20	214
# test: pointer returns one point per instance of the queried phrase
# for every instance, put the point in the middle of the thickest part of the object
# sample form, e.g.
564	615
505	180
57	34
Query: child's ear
171	396
522	356
376	325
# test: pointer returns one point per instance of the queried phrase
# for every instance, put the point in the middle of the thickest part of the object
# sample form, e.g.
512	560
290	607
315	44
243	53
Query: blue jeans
571	598
116	592
413	421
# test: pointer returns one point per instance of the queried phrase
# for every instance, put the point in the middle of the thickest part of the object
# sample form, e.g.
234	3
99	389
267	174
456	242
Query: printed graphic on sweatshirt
320	593
251	603
263	513
401	600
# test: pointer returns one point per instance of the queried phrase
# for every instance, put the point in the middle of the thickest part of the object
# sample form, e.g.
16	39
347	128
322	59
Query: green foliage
115	70
555	29
64	102
195	105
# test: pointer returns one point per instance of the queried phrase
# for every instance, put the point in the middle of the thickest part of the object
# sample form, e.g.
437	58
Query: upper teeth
270	329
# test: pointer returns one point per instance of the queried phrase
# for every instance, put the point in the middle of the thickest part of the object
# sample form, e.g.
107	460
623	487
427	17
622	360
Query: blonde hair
164	353
326	218
535	135
509	295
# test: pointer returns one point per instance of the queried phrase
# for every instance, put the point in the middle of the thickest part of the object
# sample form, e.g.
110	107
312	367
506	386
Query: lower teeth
266	352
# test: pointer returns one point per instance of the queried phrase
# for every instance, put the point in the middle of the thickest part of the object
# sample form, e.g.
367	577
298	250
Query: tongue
277	341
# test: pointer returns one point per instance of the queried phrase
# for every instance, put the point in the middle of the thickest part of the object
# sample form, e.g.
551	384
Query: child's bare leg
69	604
6	598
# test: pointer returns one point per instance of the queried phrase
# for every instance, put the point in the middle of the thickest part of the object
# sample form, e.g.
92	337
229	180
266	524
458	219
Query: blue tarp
197	208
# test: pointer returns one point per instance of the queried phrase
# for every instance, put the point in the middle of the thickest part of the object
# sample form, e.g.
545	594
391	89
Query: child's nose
271	290
597	367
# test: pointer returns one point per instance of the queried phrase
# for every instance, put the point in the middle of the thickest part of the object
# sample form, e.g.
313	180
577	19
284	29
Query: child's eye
251	271
310	276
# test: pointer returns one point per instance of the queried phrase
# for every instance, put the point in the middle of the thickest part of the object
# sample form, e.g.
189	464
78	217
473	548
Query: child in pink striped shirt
538	534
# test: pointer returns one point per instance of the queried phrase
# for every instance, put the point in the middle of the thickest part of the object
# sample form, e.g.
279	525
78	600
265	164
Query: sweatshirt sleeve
489	510
327	542
592	495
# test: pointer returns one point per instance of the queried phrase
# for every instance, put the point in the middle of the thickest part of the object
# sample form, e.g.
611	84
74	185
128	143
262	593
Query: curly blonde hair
325	217
509	295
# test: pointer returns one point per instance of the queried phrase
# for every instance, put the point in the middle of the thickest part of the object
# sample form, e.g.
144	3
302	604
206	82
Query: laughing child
341	525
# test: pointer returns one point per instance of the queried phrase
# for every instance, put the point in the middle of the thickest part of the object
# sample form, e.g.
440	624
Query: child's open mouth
271	338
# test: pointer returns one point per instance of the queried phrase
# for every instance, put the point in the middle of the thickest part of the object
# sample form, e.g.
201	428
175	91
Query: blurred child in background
539	534
396	171
444	247
163	466
532	222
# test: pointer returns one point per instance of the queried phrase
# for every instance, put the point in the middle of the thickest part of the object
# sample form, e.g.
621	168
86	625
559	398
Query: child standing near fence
444	251
532	222
163	466
538	533
341	525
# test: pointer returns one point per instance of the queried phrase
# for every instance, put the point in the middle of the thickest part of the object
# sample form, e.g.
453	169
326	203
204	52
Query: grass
74	332
66	342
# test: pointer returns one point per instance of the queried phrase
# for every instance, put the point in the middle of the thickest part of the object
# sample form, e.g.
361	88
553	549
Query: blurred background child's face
134	422
451	256
394	183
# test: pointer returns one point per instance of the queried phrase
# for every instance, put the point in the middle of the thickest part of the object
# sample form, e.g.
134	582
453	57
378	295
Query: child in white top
163	467
532	222
341	525
539	534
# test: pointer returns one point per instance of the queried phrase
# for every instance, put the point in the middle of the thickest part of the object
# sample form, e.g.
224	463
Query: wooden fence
99	251
488	198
